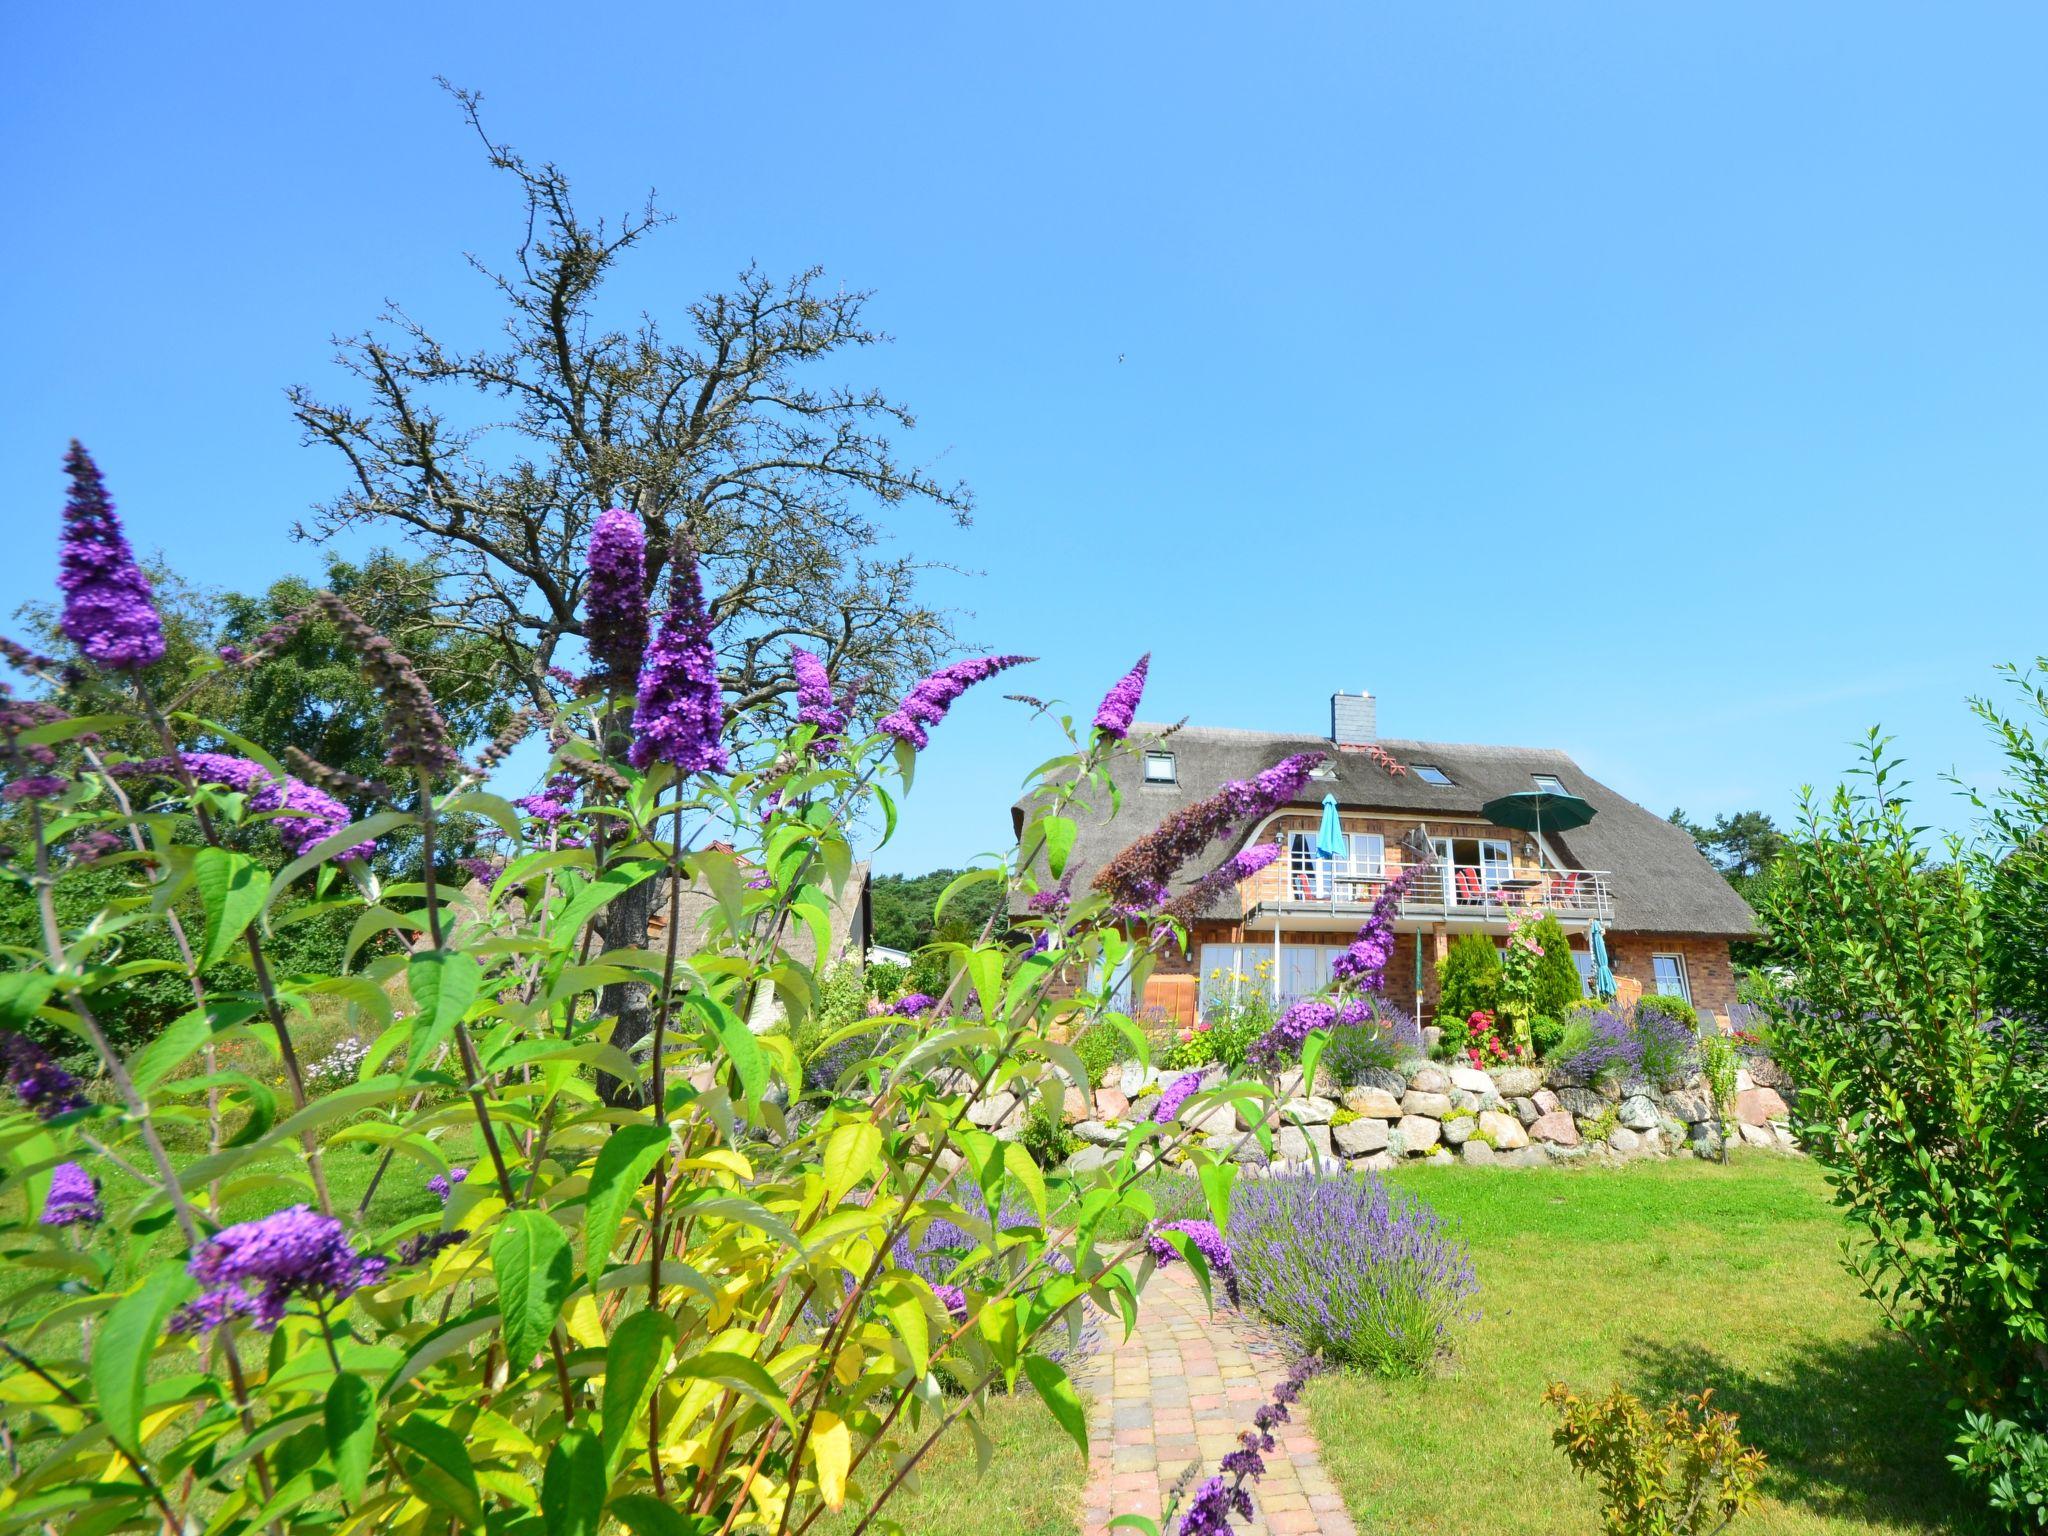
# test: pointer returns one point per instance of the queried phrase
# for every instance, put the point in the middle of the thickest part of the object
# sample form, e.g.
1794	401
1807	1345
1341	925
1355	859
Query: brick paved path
1180	1390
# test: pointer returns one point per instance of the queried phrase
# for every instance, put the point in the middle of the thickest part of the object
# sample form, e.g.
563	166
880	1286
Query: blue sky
1664	383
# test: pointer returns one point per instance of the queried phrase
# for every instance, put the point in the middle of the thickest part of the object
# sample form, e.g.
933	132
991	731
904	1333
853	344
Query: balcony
1481	893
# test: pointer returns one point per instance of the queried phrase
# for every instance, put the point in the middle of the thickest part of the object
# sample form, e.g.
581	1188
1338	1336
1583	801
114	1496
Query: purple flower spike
815	703
680	715
615	606
108	612
1138	878
1365	961
911	1004
295	1252
37	1081
443	1184
74	1198
927	703
1177	1093
314	815
1208	1242
1120	704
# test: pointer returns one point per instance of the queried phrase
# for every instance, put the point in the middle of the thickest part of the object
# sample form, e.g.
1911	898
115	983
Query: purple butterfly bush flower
1120	705
428	1245
1281	1045
1208	1242
615	606
680	715
1365	961
1228	1492
294	1253
911	1004
74	1198
312	816
1138	877
108	611
443	1185
816	705
40	1084
41	786
1203	895
927	703
1176	1093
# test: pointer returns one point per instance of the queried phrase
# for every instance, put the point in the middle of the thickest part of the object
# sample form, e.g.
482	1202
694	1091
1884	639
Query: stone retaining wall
1514	1116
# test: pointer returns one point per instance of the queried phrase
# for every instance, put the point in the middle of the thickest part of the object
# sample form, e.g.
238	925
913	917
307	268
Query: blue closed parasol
1330	840
1603	974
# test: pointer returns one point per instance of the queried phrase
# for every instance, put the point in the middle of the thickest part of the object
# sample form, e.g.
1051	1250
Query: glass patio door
1496	862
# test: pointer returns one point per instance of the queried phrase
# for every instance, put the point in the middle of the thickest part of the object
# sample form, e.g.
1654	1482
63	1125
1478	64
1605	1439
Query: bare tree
719	435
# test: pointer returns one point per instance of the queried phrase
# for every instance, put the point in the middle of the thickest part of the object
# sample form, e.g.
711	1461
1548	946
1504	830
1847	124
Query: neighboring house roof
1660	880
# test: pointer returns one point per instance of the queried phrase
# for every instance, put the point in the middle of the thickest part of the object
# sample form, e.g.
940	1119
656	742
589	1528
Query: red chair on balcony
1471	891
1568	889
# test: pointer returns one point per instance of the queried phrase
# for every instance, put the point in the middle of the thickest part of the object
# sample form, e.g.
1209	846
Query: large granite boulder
1624	1141
1478	1154
1471	1080
1357	1138
1428	1078
1639	1112
1582	1101
1690	1105
1759	1106
1505	1131
1558	1129
1458	1129
1418	1133
1515	1082
991	1111
1373	1101
1419	1102
1308	1111
1095	1133
1525	1110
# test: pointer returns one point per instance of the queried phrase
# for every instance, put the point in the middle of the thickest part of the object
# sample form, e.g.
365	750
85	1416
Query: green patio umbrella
1330	840
1603	973
1534	809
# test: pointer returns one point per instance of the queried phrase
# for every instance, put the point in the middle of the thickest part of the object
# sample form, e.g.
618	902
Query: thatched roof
1661	883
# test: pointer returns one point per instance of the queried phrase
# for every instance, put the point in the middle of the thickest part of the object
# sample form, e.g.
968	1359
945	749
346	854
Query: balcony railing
1484	891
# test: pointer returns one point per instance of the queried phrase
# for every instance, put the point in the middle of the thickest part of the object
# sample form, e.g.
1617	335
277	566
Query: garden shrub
1546	1034
885	980
1677	1009
1681	1471
1557	983
1468	978
1239	1016
1364	1274
1924	1102
661	1299
1386	1040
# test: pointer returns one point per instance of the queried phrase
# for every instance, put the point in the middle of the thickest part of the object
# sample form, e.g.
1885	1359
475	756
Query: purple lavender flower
312	816
295	1252
37	1081
680	715
615	606
443	1184
1120	705
74	1198
911	1004
927	703
108	613
815	703
1177	1093
1139	876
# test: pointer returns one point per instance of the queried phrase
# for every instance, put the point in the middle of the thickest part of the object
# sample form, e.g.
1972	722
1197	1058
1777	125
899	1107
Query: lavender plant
703	1303
1354	1270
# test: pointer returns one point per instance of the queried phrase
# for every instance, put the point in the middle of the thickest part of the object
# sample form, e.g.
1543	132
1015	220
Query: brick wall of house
1708	969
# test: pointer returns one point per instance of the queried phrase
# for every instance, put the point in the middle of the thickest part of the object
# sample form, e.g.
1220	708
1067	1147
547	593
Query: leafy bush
1468	978
1364	1274
1677	1009
886	980
1921	1101
1615	1041
1389	1038
662	1299
1682	1471
1557	983
1101	1047
1239	1014
1546	1033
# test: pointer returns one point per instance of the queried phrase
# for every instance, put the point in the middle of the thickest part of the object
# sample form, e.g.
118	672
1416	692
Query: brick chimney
1354	719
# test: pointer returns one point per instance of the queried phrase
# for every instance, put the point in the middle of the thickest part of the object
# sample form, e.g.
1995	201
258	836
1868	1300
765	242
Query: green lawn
1032	1486
1667	1278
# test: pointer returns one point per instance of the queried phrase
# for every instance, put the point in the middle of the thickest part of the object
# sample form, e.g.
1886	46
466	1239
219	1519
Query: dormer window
1550	783
1429	773
1159	768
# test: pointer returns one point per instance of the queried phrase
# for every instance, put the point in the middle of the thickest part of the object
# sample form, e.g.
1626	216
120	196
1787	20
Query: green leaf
232	888
645	1515
739	1374
22	993
850	1152
1059	1395
125	1345
494	808
617	880
639	1348
443	985
573	1485
905	1307
748	1059
351	1420
1217	1179
370	827
621	1166
438	1468
1026	1172
535	1270
1060	832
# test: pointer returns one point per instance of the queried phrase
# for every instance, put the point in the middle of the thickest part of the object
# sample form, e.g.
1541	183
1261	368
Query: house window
1120	993
1550	782
1583	959
1429	773
1365	858
1159	768
1231	972
1667	975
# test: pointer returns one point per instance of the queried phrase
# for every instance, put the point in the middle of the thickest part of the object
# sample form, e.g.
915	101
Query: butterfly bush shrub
742	1287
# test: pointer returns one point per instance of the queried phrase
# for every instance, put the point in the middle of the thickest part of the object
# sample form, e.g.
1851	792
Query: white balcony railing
1485	891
